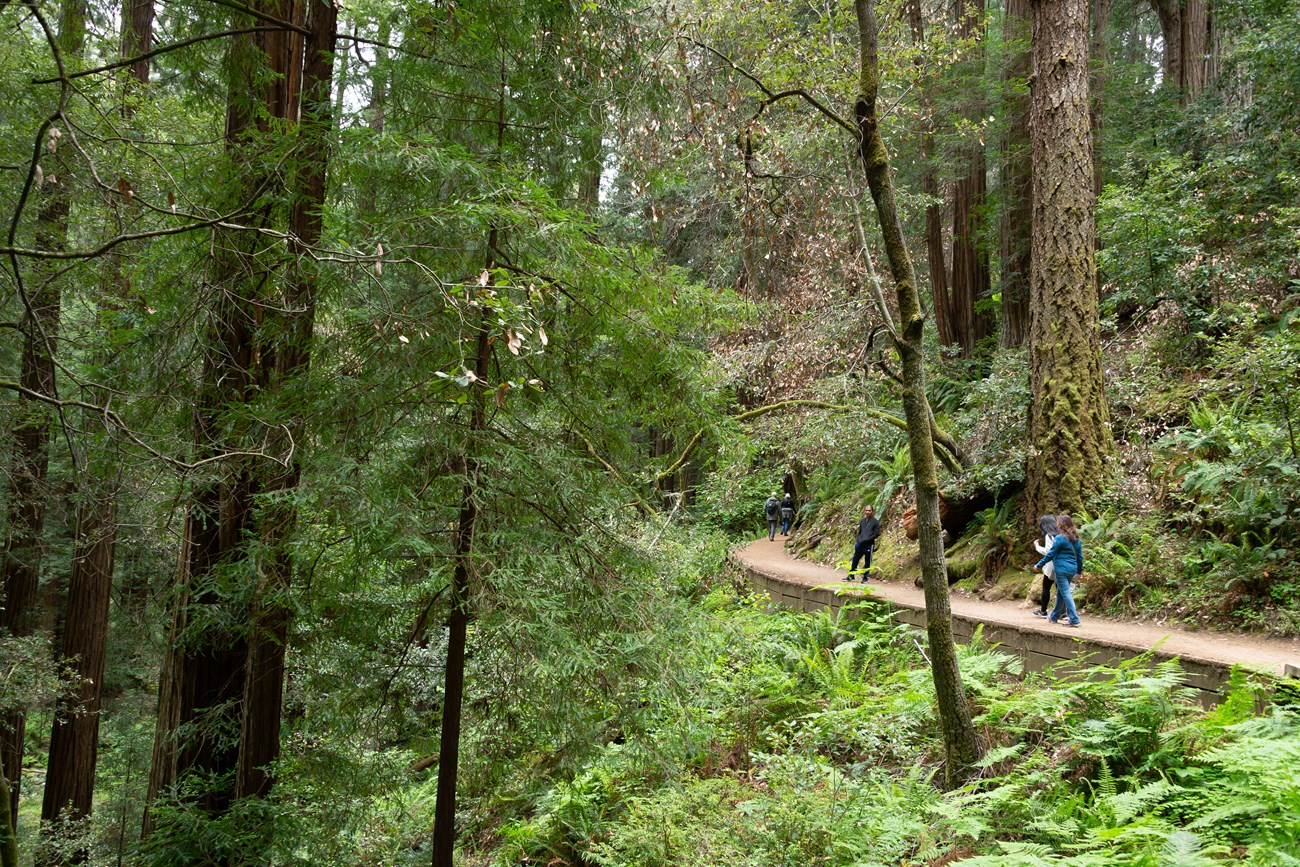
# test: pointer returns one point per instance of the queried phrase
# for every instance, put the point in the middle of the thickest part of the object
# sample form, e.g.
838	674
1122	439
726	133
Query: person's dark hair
1066	525
1047	524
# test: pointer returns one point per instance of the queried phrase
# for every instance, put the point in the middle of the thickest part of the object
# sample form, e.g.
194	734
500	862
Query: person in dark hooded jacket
772	512
865	545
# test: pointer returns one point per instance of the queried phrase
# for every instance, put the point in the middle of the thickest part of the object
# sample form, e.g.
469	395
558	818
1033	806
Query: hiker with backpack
772	512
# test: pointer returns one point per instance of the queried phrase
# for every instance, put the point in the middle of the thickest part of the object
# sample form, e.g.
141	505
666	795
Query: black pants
863	549
1048	584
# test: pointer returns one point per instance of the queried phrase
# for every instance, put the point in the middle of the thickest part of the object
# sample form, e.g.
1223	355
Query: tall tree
961	746
1016	177
935	253
970	258
74	739
221	691
20	562
1070	440
285	362
1190	49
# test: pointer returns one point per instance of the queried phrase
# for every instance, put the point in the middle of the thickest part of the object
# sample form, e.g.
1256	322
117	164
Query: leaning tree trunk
961	747
1017	178
1070	442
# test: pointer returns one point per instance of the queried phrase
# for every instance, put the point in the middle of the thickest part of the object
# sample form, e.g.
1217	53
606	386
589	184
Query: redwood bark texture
1070	442
221	691
961	746
935	254
970	259
70	772
1190	45
1017	178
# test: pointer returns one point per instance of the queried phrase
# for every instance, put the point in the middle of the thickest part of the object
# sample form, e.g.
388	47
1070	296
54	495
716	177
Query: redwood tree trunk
288	360
70	774
935	254
970	261
24	549
1186	27
74	740
961	747
1017	178
225	672
1070	441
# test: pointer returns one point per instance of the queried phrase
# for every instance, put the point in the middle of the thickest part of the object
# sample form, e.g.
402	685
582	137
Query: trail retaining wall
1038	649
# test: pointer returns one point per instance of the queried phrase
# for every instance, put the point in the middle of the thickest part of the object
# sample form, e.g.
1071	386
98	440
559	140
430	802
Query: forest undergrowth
797	739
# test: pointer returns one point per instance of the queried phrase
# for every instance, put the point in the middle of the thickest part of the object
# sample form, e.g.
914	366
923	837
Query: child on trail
1047	524
787	514
772	512
1067	553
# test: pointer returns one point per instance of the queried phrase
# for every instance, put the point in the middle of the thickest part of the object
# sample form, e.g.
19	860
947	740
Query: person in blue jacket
1067	555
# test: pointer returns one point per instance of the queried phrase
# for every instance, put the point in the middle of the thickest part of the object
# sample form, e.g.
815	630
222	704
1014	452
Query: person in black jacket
868	533
787	514
772	512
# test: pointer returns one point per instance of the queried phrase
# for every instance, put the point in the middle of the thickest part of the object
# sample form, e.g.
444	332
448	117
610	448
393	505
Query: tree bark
970	261
1097	84
137	38
1017	178
221	692
961	746
1070	442
1186	27
70	773
28	496
290	359
935	254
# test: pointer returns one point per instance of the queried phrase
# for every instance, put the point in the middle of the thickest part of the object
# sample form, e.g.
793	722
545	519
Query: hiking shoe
1039	612
1075	625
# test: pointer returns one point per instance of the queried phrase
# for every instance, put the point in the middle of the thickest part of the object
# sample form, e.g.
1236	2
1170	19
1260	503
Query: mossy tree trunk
961	746
1070	441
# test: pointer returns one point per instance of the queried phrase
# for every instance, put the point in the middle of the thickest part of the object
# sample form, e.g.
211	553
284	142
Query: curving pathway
1276	655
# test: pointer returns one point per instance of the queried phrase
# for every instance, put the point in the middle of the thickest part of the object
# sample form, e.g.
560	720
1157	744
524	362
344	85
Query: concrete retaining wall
1038	649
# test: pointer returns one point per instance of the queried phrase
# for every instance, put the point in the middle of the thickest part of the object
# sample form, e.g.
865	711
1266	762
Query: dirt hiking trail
1269	654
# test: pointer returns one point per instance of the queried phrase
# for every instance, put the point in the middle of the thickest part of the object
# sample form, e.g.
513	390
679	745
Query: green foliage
992	420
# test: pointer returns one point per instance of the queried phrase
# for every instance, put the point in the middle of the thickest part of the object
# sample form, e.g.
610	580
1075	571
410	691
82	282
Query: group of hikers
1061	550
